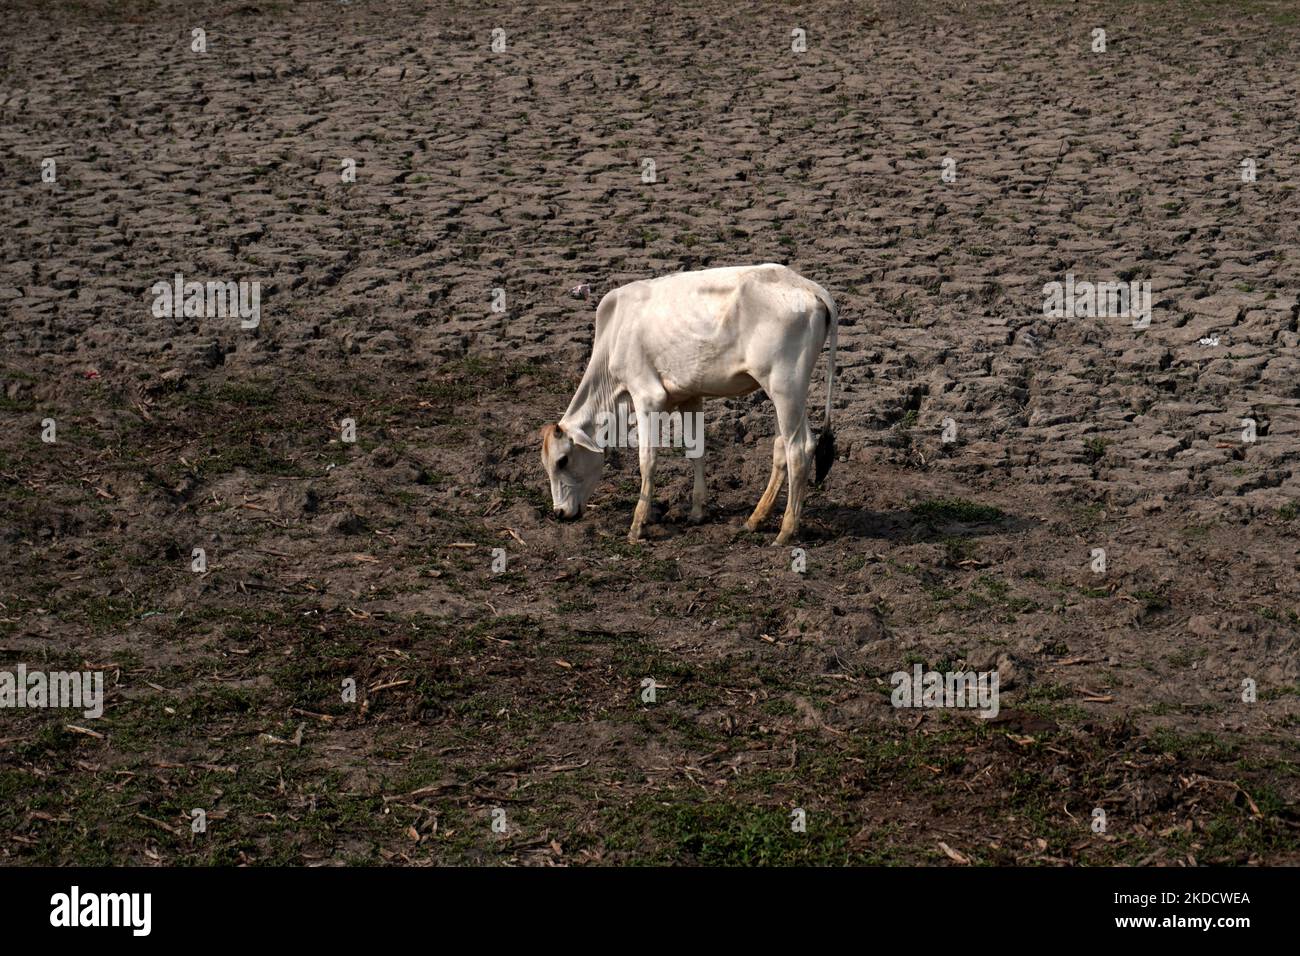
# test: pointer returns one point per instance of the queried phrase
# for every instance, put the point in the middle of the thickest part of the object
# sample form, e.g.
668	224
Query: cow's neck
596	395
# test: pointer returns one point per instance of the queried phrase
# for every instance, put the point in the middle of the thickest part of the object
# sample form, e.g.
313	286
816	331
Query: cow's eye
564	460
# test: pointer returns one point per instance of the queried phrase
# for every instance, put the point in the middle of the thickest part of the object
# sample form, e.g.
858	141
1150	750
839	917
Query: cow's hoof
695	519
782	540
752	526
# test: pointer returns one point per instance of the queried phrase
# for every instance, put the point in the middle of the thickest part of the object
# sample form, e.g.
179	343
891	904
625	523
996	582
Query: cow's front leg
647	422
642	514
698	493
693	427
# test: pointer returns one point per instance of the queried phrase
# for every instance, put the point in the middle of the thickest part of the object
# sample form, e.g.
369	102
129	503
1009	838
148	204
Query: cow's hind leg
765	503
792	419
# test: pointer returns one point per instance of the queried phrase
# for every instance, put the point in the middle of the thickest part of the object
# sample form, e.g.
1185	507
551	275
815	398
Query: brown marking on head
549	432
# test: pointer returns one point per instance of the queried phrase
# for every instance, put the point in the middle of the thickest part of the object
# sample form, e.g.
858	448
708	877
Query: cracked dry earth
371	561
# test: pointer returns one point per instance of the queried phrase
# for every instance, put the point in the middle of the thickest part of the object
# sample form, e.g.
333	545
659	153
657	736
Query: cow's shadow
826	524
837	521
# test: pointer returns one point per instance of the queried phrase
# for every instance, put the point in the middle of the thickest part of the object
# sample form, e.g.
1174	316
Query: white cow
666	344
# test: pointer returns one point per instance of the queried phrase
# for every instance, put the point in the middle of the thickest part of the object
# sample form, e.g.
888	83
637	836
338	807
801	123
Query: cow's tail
824	455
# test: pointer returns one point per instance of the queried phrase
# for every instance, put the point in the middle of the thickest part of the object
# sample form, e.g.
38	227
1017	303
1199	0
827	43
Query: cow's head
573	463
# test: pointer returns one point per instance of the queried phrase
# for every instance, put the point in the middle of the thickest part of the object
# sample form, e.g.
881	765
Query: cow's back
708	302
703	330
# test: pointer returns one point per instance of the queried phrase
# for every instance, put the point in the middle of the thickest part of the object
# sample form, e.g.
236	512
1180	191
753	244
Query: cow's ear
583	440
550	434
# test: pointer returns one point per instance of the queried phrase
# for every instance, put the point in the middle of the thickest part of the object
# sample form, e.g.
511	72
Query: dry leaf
953	854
